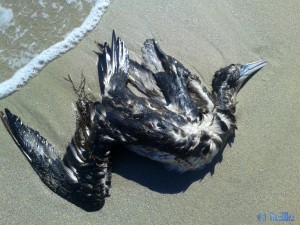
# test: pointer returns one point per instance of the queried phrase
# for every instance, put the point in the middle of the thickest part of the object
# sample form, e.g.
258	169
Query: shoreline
22	76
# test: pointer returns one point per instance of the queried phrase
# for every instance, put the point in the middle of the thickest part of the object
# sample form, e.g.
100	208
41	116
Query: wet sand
259	173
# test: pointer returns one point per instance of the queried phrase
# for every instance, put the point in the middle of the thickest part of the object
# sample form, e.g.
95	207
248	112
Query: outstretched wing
83	177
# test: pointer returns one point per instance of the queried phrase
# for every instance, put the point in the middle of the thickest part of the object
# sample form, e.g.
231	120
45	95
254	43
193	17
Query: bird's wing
143	80
115	69
82	177
134	119
113	66
157	61
169	80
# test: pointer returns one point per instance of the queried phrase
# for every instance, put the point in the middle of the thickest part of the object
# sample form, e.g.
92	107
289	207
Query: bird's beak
249	70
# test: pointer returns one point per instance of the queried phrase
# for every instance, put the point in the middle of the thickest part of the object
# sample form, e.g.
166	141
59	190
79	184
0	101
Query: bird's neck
225	99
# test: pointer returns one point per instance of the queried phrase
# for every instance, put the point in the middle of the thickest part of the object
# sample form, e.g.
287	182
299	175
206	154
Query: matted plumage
173	119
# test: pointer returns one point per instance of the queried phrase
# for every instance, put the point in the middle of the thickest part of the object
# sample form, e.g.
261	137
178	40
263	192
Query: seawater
33	33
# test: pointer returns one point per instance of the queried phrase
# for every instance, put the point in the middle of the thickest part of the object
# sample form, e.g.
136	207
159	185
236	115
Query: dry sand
259	173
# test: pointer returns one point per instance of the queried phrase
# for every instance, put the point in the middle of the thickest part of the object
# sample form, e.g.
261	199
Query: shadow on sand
155	176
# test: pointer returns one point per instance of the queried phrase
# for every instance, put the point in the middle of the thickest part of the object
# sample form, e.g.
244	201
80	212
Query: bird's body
176	120
172	119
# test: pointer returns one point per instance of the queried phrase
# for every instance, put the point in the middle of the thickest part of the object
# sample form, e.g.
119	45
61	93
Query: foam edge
30	70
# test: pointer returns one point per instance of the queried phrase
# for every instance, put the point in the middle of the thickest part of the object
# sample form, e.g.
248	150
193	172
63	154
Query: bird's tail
113	65
83	176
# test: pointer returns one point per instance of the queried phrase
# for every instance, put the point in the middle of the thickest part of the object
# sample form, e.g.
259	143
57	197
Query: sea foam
6	17
30	70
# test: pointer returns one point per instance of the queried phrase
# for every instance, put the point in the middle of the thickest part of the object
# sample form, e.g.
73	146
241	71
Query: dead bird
173	119
177	121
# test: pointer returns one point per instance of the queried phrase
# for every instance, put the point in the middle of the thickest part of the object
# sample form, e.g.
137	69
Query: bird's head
229	80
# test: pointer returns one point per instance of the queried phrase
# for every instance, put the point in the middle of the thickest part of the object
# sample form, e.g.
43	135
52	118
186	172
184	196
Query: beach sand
259	173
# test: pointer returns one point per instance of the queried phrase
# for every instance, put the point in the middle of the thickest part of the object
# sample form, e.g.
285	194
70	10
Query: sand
259	173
